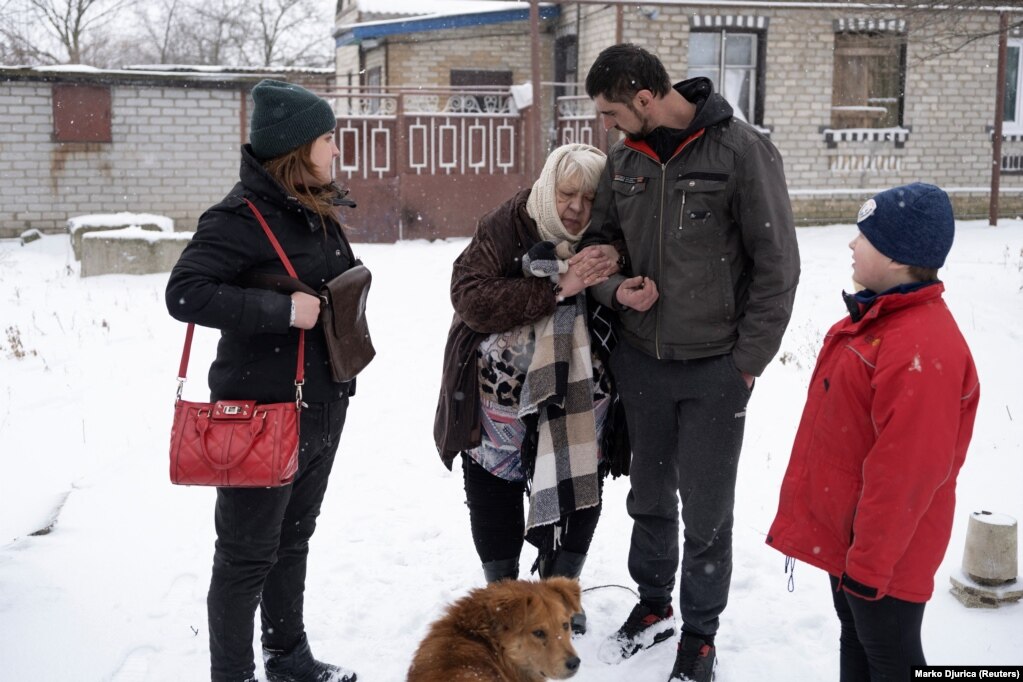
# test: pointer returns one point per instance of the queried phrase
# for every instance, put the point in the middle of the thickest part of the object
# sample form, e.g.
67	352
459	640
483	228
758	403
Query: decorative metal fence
428	162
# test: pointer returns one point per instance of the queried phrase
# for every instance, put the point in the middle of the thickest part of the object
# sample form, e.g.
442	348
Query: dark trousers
497	516
261	549
880	639
686	421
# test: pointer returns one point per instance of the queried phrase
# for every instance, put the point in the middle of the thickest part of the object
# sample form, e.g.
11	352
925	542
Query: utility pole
535	119
996	147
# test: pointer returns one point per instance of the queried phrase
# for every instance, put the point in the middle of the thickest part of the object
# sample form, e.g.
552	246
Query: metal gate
427	163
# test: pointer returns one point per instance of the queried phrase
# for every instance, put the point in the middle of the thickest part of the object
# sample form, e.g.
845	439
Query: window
81	113
733	61
480	78
470	79
869	78
566	66
374	80
1013	111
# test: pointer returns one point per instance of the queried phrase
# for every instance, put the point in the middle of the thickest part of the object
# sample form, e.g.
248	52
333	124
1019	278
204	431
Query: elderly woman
526	398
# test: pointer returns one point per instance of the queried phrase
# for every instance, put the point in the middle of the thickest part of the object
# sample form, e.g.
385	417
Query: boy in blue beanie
869	493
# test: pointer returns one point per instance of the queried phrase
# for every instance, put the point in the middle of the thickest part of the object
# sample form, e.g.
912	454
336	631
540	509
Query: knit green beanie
285	117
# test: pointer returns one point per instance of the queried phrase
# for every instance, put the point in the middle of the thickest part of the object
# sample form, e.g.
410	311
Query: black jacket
712	226
257	353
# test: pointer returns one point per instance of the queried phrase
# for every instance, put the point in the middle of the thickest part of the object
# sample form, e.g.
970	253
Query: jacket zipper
660	263
660	227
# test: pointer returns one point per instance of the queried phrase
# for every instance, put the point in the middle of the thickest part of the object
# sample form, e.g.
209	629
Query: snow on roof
205	68
134	72
460	13
436	7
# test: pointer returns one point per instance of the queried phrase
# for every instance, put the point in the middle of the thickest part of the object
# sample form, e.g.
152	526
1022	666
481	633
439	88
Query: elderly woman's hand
595	263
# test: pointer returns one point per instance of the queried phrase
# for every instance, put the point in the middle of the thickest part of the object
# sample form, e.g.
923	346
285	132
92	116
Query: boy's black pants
880	639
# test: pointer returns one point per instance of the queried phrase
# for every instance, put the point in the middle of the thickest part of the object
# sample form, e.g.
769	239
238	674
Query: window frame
899	41
1016	124
759	66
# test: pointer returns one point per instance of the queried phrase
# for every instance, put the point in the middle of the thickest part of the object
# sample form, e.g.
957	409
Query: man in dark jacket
700	201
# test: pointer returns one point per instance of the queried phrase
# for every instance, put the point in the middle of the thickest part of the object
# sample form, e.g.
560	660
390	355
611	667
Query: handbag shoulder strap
300	369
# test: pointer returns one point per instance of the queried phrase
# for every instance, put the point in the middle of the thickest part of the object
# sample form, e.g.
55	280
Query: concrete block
990	554
79	226
973	595
131	251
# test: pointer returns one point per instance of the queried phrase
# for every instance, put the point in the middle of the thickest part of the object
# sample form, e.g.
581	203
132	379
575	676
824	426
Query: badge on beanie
866	210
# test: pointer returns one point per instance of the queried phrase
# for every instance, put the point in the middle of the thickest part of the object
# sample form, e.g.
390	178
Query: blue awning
356	33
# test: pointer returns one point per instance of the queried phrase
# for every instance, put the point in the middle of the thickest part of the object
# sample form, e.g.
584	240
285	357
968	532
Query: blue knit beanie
286	116
912	224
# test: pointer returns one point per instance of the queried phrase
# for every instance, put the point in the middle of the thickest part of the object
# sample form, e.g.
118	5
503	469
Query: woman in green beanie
263	533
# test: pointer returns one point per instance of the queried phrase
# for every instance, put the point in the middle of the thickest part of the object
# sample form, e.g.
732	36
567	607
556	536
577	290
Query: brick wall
174	152
428	58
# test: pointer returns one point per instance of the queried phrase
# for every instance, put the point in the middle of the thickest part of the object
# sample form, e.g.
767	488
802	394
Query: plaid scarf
558	389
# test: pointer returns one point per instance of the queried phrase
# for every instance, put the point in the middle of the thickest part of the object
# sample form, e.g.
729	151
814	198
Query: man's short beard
644	130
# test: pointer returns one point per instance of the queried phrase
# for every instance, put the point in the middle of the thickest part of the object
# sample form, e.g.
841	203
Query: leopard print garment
502	361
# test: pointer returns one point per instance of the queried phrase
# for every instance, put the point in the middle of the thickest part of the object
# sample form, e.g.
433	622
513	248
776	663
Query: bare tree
70	21
227	32
161	24
217	32
949	26
283	28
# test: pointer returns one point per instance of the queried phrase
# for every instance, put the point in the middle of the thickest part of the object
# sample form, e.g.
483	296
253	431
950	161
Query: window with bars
868	84
733	61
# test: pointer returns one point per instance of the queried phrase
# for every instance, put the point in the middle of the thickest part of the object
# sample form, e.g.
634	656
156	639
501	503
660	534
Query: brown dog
508	631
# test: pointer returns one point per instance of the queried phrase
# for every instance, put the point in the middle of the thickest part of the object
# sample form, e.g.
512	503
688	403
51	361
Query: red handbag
237	443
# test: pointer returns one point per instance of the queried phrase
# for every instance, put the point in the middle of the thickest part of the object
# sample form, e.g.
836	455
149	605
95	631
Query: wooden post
996	147
535	120
619	21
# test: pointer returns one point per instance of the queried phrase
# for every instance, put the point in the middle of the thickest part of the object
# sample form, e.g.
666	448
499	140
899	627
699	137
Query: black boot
298	665
501	569
567	565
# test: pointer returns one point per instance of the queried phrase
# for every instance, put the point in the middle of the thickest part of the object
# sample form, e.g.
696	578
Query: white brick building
76	141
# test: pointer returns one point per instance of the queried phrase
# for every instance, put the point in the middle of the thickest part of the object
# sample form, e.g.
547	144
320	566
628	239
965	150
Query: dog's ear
568	590
472	613
508	604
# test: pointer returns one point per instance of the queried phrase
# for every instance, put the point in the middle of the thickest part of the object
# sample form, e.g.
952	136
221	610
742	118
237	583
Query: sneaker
642	629
694	661
298	665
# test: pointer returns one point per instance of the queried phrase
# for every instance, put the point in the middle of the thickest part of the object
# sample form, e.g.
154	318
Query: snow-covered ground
116	589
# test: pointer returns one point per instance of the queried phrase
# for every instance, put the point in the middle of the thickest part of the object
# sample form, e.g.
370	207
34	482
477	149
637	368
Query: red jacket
869	492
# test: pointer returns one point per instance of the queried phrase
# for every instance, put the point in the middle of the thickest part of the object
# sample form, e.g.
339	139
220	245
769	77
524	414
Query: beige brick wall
174	152
427	59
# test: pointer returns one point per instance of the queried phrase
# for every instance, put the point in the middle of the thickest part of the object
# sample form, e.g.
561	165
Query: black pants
686	420
880	639
497	516
260	556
